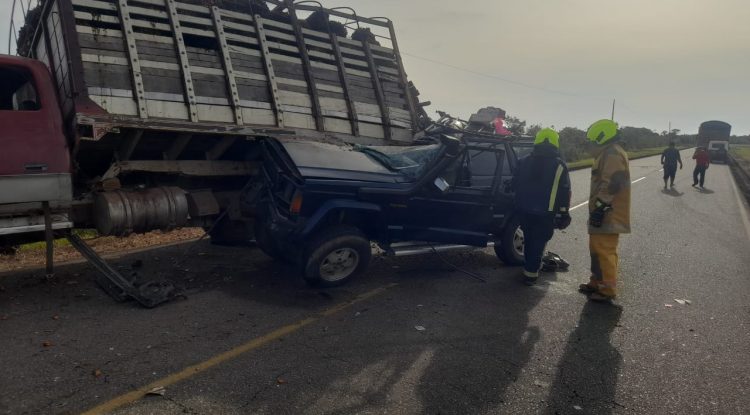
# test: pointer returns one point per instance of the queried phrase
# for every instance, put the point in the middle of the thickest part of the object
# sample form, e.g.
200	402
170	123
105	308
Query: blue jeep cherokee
322	205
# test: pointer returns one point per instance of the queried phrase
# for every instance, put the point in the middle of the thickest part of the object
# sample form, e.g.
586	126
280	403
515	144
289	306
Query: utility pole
613	109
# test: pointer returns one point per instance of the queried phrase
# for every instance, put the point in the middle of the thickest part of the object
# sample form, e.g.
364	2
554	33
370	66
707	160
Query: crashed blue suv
323	205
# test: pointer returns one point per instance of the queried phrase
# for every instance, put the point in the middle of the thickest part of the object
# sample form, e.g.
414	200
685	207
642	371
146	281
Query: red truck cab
34	155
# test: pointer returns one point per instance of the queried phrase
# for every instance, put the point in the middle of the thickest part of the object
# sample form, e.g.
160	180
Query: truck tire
265	241
335	256
509	248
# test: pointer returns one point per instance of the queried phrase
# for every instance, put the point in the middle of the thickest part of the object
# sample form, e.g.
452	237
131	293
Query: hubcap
518	241
339	264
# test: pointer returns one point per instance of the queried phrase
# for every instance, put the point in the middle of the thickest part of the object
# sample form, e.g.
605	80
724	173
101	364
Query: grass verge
632	155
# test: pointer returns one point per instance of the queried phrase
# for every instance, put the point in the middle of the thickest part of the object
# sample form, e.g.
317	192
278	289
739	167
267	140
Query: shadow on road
588	371
706	191
672	192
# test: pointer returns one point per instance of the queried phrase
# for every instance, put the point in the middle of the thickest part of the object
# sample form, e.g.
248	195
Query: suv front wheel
335	256
509	248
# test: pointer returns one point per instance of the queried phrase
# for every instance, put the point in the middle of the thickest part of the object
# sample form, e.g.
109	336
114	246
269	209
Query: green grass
83	233
632	155
742	152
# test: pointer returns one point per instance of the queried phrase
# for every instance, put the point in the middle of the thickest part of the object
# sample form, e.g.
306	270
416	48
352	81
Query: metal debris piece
679	301
577	408
159	390
420	328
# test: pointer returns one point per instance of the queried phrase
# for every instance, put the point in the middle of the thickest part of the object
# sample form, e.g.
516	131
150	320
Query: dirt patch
29	258
741	171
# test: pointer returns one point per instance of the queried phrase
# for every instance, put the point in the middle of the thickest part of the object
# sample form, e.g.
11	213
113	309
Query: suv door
464	214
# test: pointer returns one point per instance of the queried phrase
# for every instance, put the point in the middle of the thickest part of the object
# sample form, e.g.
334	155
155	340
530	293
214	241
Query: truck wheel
509	248
266	243
335	256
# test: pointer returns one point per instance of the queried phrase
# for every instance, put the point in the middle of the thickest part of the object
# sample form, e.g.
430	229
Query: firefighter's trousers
537	231
604	262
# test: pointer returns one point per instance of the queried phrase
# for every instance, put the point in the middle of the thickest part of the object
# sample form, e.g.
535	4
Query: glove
596	217
562	220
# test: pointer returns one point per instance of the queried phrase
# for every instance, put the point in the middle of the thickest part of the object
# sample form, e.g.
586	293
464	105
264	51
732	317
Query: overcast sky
561	63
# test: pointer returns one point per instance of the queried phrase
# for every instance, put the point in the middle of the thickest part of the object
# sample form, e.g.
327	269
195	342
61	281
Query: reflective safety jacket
541	183
610	183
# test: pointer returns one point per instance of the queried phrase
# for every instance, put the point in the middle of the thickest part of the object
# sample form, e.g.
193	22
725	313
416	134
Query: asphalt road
418	337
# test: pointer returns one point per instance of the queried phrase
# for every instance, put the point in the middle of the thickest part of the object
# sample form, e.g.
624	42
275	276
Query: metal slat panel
135	65
352	109
260	32
228	70
379	93
187	80
300	38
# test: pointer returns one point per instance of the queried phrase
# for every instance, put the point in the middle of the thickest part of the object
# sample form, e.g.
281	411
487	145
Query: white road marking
586	202
581	205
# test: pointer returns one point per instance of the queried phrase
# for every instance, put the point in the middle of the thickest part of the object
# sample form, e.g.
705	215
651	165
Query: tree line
575	146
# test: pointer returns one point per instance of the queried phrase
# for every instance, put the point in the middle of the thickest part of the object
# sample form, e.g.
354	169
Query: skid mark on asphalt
256	343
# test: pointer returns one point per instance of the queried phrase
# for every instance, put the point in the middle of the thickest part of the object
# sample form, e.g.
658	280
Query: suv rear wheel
335	256
509	248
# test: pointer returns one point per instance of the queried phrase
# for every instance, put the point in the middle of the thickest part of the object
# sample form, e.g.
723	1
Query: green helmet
547	135
602	131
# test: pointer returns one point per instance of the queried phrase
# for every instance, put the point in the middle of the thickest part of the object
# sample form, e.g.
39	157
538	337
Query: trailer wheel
335	256
509	248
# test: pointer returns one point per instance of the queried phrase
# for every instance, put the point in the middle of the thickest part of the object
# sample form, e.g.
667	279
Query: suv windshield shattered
410	161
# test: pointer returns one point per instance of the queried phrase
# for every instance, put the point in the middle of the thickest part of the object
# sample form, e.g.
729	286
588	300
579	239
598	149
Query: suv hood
330	161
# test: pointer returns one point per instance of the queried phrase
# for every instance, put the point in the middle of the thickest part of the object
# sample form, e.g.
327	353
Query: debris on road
681	301
47	344
281	381
159	390
577	408
420	328
97	373
668	305
55	317
541	384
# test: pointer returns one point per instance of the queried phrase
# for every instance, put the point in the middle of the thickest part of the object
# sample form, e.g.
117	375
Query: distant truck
134	115
714	137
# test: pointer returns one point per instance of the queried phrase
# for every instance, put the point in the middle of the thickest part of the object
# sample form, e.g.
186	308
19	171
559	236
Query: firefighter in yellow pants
609	209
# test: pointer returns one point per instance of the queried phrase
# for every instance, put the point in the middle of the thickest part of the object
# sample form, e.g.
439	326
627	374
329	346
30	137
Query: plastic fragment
679	301
668	305
420	328
159	390
577	408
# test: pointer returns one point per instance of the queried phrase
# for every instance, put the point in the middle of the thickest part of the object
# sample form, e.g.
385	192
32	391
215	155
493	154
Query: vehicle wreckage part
149	294
121	213
335	256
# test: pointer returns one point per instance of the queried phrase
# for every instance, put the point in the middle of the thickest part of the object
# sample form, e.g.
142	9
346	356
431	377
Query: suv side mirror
441	184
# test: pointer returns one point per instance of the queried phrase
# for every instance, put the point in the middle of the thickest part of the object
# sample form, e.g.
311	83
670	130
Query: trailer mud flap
148	294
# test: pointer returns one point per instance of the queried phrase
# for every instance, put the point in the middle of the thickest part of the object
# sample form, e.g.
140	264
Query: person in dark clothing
669	159
542	189
702	160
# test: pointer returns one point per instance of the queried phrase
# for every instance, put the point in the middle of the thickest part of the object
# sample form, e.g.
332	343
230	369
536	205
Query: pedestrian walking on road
542	189
609	209
702	160
669	159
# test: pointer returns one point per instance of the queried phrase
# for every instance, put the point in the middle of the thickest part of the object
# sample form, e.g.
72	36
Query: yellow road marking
195	369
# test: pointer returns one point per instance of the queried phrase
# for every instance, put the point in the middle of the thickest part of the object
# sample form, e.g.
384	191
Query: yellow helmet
602	131
549	135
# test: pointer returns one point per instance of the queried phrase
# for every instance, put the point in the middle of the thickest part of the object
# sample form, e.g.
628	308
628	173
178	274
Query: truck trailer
714	137
135	115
